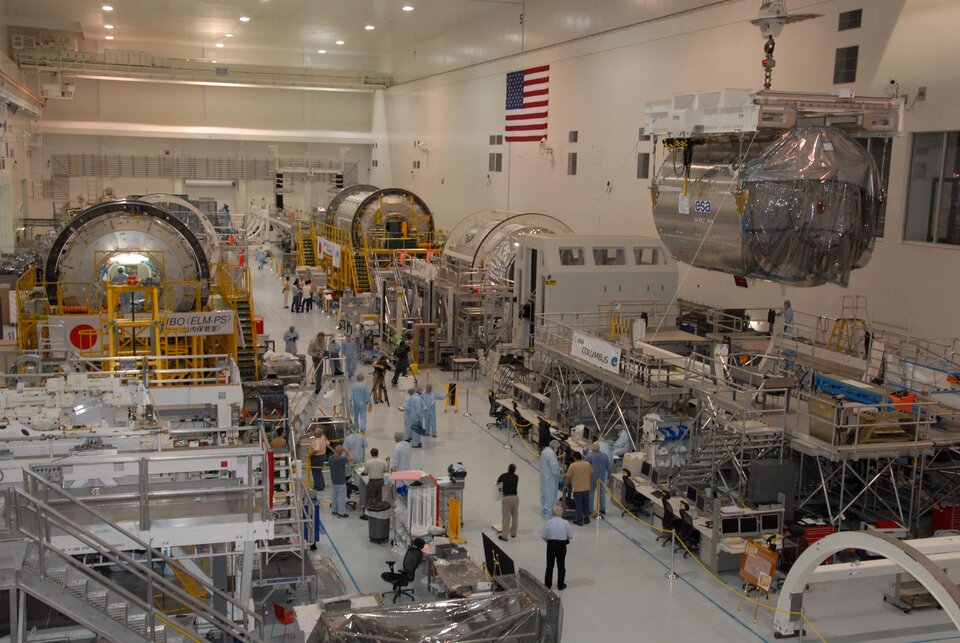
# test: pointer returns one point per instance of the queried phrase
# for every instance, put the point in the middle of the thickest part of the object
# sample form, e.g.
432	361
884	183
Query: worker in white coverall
550	476
360	402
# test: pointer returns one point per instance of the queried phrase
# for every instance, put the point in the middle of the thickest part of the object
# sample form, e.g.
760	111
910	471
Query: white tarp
216	322
596	352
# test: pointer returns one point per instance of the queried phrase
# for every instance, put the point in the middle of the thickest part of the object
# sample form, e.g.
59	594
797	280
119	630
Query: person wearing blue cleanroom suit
550	477
601	471
412	414
361	402
623	444
430	400
350	354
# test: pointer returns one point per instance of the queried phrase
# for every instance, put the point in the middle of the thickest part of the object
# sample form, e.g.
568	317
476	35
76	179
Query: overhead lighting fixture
228	35
408	7
108	26
214	62
369	27
107	7
219	45
244	19
108	37
339	42
321	51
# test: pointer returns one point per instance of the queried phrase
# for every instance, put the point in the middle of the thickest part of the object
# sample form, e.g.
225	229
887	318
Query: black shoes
561	587
503	538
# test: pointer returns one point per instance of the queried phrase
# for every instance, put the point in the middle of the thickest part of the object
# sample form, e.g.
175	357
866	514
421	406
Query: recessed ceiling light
408	7
321	51
107	7
108	26
108	37
244	19
219	45
369	27
228	35
339	42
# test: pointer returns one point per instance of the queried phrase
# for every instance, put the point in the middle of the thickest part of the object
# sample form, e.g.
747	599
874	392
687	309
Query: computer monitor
748	525
645	469
770	522
730	526
692	493
702	503
654	477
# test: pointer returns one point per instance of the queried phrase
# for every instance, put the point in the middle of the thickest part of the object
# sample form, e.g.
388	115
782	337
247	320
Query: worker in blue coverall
623	444
430	399
550	476
350	354
601	472
412	414
361	402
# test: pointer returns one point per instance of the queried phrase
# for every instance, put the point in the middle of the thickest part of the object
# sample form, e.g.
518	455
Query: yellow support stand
454	520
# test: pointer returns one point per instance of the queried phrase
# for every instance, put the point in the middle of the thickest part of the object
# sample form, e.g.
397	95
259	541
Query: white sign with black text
215	322
596	351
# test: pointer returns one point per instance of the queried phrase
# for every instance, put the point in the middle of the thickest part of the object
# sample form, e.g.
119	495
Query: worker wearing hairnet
430	399
412	415
350	353
550	477
623	443
360	403
601	465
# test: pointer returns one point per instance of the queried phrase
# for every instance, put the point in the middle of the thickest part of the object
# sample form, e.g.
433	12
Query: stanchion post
672	575
466	403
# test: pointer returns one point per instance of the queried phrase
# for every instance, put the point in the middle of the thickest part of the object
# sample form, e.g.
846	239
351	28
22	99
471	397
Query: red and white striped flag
528	94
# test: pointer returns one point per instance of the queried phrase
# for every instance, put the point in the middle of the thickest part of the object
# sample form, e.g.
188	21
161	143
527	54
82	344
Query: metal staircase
361	272
247	349
722	450
127	612
306	245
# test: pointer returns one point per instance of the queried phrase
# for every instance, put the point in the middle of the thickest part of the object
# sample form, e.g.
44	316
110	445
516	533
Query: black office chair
632	499
670	520
688	533
403	578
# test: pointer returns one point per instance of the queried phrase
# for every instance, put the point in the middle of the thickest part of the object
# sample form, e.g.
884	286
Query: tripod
379	387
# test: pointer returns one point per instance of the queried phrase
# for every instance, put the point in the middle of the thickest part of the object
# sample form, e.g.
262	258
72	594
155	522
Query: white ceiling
436	36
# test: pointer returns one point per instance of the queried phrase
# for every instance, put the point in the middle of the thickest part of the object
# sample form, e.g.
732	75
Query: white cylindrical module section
362	210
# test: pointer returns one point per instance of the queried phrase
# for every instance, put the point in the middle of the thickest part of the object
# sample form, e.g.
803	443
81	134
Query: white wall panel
599	86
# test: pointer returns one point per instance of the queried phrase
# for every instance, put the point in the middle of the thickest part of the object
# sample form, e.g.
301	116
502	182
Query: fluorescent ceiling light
108	37
339	42
219	45
209	83
408	7
214	62
108	26
369	27
244	19
228	35
107	7
321	51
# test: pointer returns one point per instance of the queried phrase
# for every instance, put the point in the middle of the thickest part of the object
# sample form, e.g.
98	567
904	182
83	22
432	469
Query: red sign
83	336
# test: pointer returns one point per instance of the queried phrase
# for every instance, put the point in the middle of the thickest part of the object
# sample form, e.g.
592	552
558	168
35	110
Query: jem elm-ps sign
216	322
596	352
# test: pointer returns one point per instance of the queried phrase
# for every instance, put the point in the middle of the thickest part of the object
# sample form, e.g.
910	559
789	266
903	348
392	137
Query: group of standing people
581	479
304	293
420	414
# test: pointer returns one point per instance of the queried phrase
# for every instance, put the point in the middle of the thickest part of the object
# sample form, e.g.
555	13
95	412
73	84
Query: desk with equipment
724	529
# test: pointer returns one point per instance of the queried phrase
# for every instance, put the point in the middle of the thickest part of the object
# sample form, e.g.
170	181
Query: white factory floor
617	589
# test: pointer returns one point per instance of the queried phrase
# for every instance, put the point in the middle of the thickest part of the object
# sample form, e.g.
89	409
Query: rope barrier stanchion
672	574
466	403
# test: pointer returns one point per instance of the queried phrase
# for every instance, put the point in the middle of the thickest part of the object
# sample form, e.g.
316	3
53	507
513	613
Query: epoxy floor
616	584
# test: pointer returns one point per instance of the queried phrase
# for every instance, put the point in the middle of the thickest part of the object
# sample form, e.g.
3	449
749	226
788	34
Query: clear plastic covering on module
520	613
811	213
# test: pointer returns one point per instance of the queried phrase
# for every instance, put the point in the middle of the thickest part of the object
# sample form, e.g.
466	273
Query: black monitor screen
770	522
702	503
691	493
730	526
748	525
654	477
645	469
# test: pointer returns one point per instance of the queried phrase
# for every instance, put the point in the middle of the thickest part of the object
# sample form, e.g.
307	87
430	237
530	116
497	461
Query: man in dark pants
402	356
557	534
317	456
376	469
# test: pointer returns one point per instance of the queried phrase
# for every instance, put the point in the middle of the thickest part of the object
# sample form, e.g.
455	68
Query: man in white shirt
557	533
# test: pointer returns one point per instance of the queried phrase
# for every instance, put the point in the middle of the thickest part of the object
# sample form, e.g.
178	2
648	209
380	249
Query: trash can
378	521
